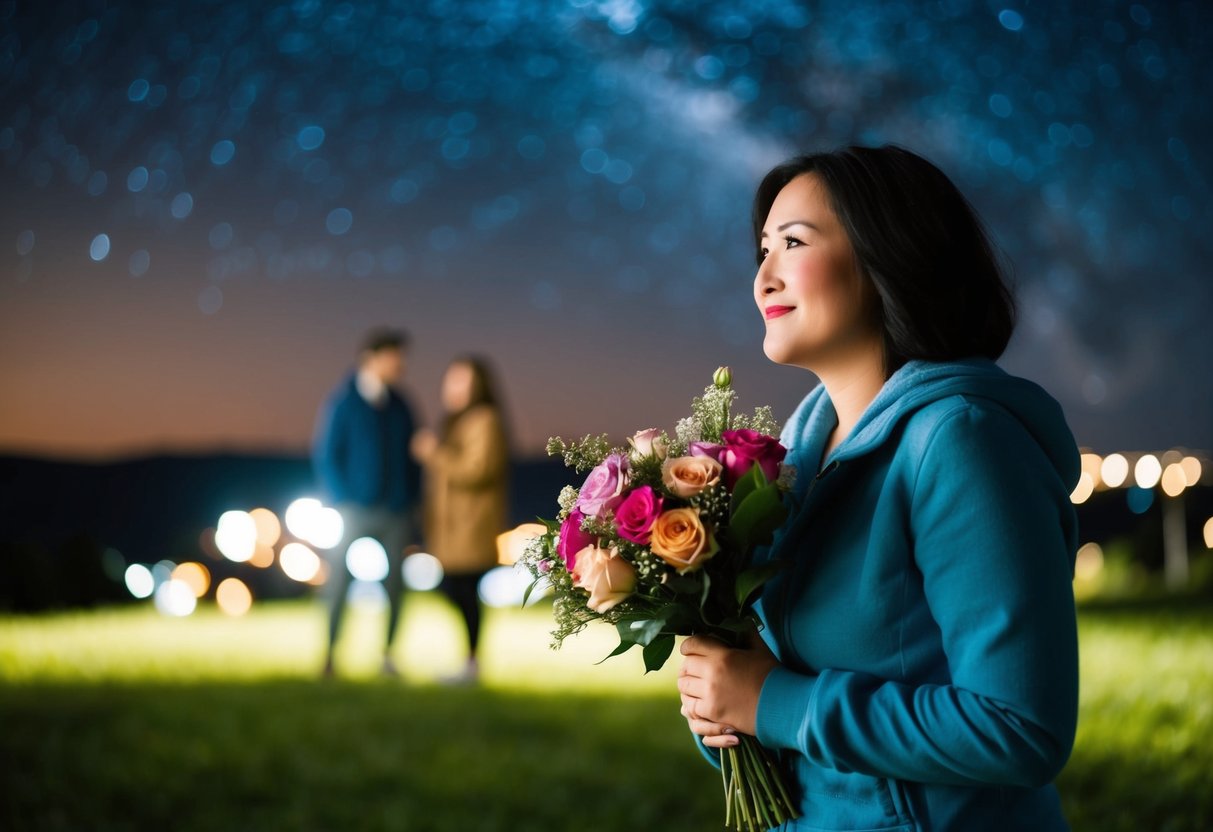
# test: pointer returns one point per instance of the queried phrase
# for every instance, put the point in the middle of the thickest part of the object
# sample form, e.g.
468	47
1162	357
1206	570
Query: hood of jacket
919	383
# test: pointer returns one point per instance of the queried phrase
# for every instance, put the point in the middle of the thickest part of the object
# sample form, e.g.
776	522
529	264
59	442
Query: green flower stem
759	787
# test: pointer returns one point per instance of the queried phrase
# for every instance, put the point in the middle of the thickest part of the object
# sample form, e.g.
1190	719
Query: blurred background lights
422	572
504	586
299	515
1208	530
236	535
175	598
1147	471
139	580
299	562
1174	480
308	519
1114	470
269	529
99	249
366	560
1089	562
194	575
1083	491
233	597
1139	499
222	152
1192	470
263	556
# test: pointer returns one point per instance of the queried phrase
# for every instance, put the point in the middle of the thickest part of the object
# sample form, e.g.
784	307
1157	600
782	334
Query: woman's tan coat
465	504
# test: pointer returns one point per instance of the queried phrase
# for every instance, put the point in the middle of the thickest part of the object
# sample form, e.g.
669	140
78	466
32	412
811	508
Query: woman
465	502
918	662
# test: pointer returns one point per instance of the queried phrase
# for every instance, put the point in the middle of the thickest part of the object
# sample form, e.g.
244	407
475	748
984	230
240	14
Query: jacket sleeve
477	458
330	451
993	533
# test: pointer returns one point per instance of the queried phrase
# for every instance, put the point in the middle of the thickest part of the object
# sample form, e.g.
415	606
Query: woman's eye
792	242
762	254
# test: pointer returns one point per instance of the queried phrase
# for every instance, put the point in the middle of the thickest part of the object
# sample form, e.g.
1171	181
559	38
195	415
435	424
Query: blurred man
361	456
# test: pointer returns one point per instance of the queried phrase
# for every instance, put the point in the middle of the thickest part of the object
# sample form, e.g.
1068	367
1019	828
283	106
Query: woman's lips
776	311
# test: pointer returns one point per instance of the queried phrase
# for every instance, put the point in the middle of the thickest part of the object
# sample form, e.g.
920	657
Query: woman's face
457	387
815	302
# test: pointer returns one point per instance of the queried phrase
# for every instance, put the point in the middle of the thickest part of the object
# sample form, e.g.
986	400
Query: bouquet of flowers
659	541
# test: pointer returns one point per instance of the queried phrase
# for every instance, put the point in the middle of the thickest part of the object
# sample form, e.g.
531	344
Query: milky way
602	155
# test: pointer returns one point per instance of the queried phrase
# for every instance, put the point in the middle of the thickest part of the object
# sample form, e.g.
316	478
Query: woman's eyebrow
788	225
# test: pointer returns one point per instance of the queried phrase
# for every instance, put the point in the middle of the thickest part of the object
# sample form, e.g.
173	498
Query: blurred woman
465	492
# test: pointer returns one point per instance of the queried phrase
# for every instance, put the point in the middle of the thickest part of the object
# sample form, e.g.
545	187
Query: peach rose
681	540
686	476
608	577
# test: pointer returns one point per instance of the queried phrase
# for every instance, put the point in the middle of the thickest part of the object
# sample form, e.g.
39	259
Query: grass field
122	720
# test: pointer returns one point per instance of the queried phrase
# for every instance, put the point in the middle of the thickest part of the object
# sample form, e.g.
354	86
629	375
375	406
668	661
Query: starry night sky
204	204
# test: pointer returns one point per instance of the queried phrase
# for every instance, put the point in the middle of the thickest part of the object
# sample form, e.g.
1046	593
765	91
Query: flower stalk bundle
660	541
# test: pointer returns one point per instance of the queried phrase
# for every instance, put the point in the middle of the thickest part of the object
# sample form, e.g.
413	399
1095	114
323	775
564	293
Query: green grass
122	720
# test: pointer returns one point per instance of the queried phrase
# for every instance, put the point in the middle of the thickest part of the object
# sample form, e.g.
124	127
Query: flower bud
722	378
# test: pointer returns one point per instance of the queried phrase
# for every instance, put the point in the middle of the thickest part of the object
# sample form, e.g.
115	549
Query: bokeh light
1147	471
139	580
512	544
1089	562
269	529
1139	499
263	557
175	598
1208	531
194	575
504	586
1174	480
299	562
366	560
1083	491
1114	470
1192	470
236	535
422	571
233	597
308	519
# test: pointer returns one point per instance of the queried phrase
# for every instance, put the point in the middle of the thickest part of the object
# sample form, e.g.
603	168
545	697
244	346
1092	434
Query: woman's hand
720	687
423	445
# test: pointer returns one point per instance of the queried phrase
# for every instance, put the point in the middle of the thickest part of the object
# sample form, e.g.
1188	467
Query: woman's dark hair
484	390
942	288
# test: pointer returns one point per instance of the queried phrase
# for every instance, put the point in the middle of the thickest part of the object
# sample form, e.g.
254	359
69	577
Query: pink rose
572	539
608	577
708	449
745	448
649	443
636	514
603	488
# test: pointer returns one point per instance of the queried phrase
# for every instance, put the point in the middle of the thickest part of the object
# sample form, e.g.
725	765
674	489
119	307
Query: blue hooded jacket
925	622
361	453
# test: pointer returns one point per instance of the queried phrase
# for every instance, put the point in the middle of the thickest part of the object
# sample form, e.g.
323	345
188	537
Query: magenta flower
636	514
745	448
572	539
708	449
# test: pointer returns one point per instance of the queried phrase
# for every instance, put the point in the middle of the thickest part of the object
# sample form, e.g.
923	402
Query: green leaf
624	646
657	651
757	517
707	587
642	630
751	480
751	579
526	596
